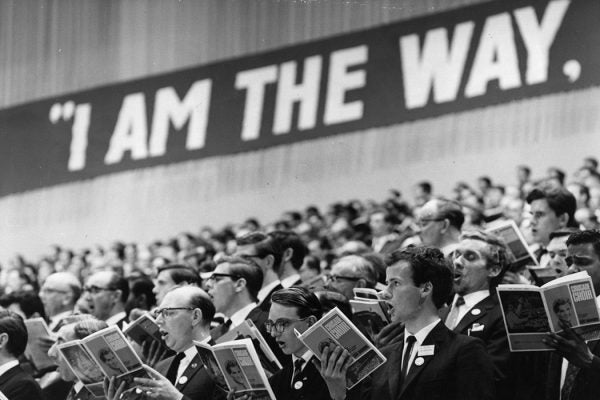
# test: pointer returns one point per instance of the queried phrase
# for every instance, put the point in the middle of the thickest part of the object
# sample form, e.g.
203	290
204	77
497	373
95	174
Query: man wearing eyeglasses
439	222
59	293
105	293
183	316
577	375
295	308
351	272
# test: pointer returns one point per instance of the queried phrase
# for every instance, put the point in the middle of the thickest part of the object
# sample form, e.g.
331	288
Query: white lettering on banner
496	57
254	82
305	93
131	131
79	137
440	65
341	81
168	108
539	37
437	65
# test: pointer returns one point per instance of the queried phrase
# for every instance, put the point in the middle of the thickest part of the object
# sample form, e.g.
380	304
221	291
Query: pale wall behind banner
53	47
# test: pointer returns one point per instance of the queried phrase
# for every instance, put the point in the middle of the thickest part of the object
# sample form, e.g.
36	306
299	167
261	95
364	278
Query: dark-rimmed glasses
334	278
280	324
167	312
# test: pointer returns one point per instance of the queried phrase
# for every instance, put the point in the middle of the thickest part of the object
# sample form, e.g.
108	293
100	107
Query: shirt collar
112	320
78	386
240	315
306	357
191	352
473	298
6	366
290	280
422	334
264	291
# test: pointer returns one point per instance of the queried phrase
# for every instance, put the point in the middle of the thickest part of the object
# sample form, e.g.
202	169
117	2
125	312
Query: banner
467	58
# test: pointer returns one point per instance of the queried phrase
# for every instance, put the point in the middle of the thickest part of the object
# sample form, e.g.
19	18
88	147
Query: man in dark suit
478	261
105	293
574	370
292	309
15	384
267	252
184	315
233	288
430	361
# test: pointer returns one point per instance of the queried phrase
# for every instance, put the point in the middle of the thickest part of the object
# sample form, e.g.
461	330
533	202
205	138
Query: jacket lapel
435	337
189	372
394	364
473	316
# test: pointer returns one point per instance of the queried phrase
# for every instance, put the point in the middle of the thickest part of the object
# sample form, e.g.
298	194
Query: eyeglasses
579	261
334	278
217	277
96	289
280	324
167	312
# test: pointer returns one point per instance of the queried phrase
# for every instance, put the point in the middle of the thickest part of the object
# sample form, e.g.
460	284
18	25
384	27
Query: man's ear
288	254
445	225
117	295
311	320
361	283
196	316
494	271
240	284
3	340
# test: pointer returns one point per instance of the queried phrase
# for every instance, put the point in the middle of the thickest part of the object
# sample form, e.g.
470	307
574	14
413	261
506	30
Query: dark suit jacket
459	369
17	385
312	386
487	314
587	381
197	383
265	305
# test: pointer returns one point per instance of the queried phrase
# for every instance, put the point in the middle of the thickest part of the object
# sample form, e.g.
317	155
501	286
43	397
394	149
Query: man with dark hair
551	210
25	303
294	251
422	193
440	222
105	293
184	315
172	275
479	261
233	288
580	365
384	239
430	361
15	384
141	297
292	309
265	251
553	261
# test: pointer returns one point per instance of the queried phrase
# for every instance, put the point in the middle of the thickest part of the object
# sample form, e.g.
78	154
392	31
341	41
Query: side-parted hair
12	324
450	210
560	200
428	264
202	301
180	274
245	268
591	236
291	240
303	300
265	245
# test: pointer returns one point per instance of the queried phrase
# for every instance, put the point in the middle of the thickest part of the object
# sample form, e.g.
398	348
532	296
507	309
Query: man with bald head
184	315
105	294
59	293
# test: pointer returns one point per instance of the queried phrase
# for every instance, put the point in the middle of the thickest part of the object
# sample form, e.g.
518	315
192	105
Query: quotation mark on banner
80	114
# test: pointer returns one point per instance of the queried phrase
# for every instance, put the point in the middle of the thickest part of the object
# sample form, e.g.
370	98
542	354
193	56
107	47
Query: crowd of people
429	257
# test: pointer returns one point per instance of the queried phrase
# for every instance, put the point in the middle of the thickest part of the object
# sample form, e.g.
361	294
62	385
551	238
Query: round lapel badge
298	385
419	361
182	380
194	365
476	311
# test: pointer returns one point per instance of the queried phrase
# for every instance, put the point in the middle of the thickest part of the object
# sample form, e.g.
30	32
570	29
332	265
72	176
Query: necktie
410	342
567	388
220	330
452	319
172	371
297	369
